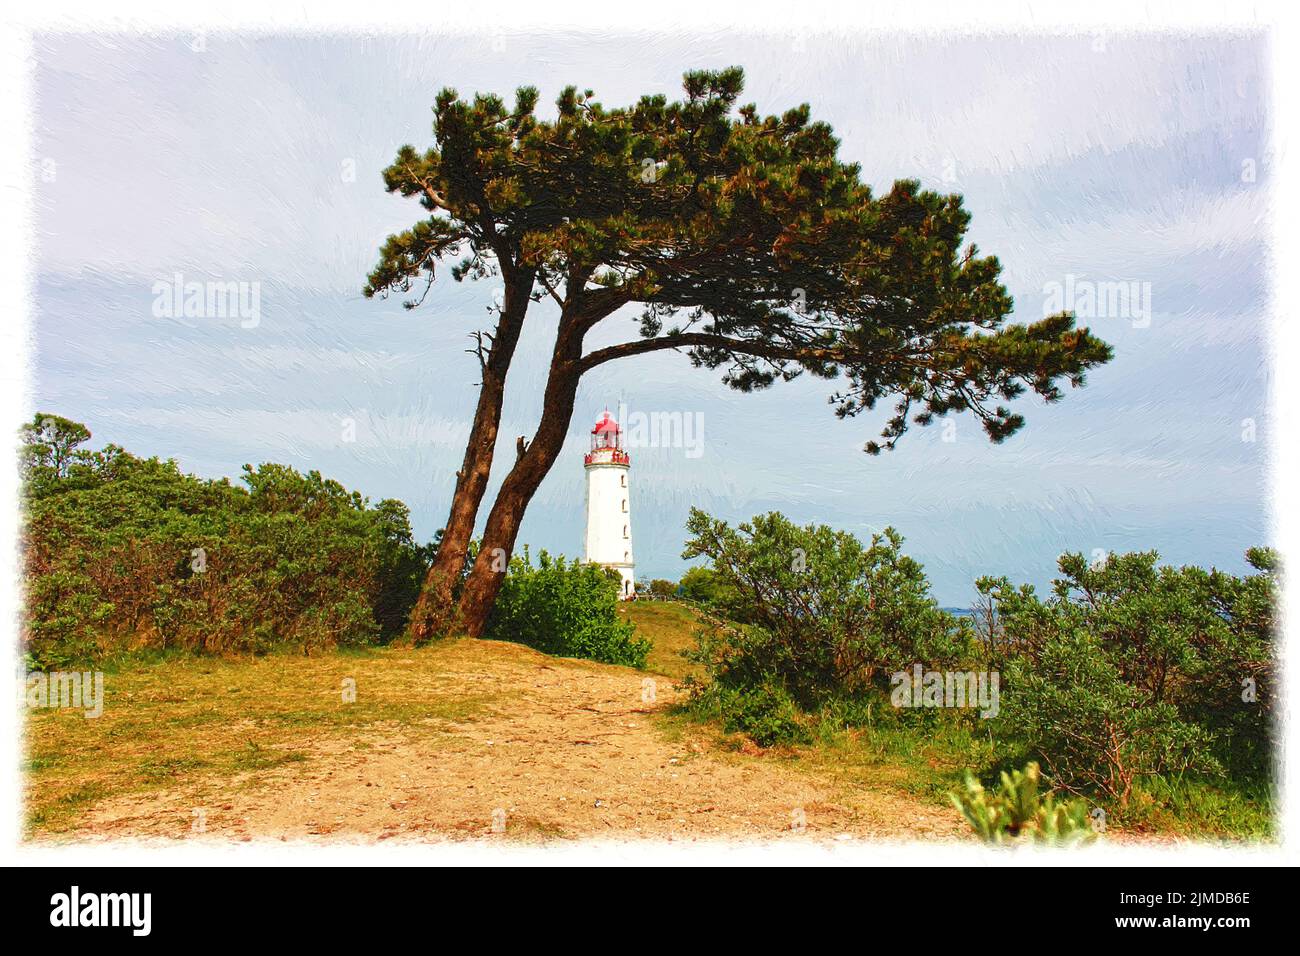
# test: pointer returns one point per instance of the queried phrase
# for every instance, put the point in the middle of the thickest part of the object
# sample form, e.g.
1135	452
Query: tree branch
767	350
434	195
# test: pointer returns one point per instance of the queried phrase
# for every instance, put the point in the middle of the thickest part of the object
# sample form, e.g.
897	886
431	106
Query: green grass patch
1202	808
670	627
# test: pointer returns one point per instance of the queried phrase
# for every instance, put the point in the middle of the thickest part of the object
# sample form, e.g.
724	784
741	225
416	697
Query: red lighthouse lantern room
607	442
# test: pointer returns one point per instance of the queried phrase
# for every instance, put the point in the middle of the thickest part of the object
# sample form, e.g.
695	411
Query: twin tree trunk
530	468
437	611
434	611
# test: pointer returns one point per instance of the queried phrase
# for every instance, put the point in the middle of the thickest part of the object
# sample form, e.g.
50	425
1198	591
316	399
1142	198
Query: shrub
813	611
1092	730
662	589
1018	812
1131	669
122	553
766	713
699	584
563	608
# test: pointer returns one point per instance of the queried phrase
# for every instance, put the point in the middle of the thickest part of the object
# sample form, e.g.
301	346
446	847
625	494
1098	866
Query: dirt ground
563	749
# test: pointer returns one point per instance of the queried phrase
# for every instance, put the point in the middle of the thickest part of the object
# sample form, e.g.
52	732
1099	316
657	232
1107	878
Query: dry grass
171	723
440	743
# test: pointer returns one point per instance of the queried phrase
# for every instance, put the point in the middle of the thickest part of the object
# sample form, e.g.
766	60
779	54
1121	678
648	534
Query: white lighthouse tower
608	540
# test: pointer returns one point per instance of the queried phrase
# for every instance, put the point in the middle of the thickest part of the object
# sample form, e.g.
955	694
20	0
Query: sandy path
567	750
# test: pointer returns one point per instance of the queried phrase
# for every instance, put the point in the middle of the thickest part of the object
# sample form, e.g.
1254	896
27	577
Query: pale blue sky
1115	161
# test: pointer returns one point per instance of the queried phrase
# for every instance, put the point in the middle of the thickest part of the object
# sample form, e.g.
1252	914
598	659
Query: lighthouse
608	541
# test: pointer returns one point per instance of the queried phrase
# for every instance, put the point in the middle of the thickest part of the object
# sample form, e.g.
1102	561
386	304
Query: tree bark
521	484
433	615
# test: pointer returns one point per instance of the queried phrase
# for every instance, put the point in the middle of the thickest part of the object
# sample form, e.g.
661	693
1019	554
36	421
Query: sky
1085	161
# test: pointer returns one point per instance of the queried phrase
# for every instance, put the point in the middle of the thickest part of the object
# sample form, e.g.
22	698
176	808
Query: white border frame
667	16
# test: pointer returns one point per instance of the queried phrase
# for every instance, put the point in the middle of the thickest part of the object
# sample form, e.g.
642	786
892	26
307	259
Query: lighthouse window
627	557
625	531
625	506
622	482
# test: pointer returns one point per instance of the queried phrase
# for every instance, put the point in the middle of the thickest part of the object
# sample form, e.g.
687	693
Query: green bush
663	589
1132	670
700	584
124	554
563	608
1093	731
765	713
811	610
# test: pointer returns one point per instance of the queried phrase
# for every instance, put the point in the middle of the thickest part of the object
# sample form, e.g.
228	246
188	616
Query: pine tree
747	244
